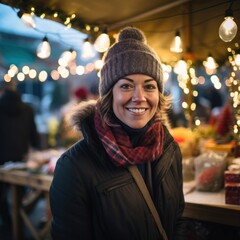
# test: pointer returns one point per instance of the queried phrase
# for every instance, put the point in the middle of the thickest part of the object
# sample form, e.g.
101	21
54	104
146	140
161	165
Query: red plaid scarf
118	145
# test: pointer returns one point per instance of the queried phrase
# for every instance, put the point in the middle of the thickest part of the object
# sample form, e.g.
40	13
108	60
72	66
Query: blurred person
18	134
93	194
66	134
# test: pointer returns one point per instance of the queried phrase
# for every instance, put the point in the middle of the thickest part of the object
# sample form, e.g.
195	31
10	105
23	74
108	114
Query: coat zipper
112	188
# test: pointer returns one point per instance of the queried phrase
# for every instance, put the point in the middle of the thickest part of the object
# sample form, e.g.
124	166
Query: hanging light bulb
67	57
176	45
44	49
102	42
27	18
210	65
228	28
87	51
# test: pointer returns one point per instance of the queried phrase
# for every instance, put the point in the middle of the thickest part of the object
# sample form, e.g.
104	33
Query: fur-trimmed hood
80	112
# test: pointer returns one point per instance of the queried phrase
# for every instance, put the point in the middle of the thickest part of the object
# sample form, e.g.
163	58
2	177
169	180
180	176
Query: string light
210	65
102	42
44	49
67	57
180	67
87	50
237	59
176	45
27	18
233	84
228	28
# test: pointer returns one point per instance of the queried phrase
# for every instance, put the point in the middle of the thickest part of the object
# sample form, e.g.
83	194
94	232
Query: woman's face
135	99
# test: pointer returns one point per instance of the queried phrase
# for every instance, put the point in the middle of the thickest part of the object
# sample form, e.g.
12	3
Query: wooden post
16	218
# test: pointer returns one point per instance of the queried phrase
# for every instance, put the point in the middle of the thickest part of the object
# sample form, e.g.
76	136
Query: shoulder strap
142	186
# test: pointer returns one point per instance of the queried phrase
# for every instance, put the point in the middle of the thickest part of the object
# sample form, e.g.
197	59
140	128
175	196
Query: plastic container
209	171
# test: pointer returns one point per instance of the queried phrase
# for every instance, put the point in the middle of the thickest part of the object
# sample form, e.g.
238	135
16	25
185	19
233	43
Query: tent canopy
198	21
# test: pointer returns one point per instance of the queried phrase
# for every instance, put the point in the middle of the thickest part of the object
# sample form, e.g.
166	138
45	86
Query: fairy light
88	28
197	122
233	85
42	76
20	76
43	15
55	75
80	70
25	70
7	78
187	80
32	73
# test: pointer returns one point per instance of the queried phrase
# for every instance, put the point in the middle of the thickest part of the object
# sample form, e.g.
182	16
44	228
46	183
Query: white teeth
137	110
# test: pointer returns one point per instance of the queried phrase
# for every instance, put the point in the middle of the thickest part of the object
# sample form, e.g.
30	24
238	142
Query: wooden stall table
210	207
203	206
18	179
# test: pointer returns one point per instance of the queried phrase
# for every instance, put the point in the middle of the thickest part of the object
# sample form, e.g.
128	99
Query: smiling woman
123	130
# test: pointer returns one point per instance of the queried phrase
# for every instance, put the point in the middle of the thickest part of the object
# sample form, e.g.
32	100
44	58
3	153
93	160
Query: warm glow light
237	59
7	78
87	50
44	49
80	70
193	106
20	76
11	73
228	28
32	73
180	67
184	105
67	57
186	90
25	69
55	75
64	73
14	68
210	65
176	45
197	122
102	43
195	93
201	80
89	67
166	76
98	64
27	18
42	76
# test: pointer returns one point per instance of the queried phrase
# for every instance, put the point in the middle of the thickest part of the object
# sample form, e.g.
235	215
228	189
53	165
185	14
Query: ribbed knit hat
129	55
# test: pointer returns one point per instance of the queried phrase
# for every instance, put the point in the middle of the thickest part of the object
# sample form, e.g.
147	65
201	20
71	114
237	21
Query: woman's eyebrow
131	80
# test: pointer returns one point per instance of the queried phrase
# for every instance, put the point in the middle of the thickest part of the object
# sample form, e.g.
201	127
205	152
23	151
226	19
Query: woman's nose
138	94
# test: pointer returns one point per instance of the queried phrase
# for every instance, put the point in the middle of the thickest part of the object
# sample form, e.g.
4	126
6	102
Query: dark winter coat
91	199
18	130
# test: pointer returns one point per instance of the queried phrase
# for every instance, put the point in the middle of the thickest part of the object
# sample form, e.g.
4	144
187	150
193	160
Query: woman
93	195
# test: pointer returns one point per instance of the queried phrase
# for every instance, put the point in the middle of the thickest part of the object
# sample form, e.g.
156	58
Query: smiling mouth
137	110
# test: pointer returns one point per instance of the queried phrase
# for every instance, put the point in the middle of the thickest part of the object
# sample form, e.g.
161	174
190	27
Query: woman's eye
125	86
150	87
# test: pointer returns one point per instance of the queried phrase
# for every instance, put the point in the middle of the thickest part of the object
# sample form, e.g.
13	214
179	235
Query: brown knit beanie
129	55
